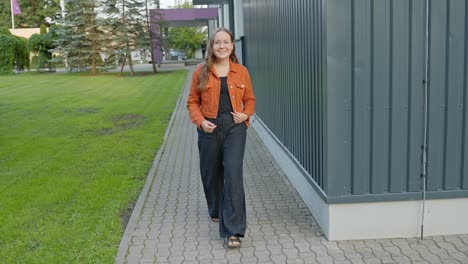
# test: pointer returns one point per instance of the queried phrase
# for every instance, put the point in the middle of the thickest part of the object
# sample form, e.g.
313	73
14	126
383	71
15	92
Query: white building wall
225	9
223	18
238	19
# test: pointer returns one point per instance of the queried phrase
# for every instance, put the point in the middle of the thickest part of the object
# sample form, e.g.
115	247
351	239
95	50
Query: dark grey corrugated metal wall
376	67
355	69
448	134
283	52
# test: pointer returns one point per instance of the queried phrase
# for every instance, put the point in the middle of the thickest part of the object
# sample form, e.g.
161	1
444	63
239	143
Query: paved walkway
170	223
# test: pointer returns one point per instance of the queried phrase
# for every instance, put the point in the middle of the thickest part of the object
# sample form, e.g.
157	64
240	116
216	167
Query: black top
225	106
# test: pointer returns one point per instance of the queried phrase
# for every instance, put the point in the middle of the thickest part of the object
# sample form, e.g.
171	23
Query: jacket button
242	86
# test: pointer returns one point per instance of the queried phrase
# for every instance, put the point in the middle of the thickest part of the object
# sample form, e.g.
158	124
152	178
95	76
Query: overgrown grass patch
74	154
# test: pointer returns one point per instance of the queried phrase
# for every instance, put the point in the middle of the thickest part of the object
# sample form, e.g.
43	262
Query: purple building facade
182	17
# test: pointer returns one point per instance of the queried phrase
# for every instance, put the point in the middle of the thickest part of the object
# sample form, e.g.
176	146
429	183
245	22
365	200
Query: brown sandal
233	242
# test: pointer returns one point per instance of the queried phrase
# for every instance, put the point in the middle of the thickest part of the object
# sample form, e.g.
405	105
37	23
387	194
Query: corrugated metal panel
339	97
415	94
447	90
375	73
283	52
340	84
464	166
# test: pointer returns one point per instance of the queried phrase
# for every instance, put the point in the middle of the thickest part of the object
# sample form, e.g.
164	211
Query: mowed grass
74	154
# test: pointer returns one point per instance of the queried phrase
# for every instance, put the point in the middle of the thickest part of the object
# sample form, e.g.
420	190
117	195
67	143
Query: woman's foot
233	242
215	219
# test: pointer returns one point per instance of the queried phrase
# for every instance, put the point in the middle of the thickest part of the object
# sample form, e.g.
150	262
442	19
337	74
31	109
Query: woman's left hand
239	117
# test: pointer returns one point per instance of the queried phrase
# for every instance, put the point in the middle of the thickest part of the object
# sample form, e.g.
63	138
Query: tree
42	44
13	52
34	13
188	39
81	36
126	22
150	34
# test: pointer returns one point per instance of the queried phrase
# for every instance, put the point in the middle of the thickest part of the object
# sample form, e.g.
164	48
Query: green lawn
74	154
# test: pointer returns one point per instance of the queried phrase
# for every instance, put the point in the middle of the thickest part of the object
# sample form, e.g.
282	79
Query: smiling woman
75	151
220	102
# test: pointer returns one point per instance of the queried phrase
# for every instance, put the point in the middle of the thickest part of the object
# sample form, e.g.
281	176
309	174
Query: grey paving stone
308	257
279	259
415	258
259	245
204	258
325	260
372	261
387	260
366	253
342	262
319	251
288	245
219	261
148	252
264	259
135	250
295	261
233	254
382	254
275	249
147	261
290	251
176	259
394	251
357	261
190	255
462	257
339	257
303	248
353	256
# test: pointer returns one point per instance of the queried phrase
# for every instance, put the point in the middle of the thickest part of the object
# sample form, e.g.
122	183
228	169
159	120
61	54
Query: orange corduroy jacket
201	104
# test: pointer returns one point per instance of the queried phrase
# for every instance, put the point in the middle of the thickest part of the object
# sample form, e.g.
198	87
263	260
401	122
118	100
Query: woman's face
222	45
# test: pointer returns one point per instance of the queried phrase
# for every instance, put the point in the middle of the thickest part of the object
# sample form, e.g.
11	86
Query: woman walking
220	103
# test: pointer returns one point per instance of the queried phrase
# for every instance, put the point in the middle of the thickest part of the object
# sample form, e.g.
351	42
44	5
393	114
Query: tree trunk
93	64
123	65
130	63
124	21
155	70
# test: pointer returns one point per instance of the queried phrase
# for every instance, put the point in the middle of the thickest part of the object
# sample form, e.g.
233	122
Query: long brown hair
210	58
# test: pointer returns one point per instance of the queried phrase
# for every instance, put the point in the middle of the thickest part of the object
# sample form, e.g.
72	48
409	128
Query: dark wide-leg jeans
221	159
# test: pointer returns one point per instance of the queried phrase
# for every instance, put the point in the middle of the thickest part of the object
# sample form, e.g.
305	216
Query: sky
167	3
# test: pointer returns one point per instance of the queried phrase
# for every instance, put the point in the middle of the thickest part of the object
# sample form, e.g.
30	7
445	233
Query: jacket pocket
208	102
240	90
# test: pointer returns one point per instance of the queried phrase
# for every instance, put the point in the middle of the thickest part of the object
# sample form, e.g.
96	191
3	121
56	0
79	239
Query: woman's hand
207	126
239	117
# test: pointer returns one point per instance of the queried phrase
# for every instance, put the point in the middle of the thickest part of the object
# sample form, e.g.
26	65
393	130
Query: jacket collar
233	67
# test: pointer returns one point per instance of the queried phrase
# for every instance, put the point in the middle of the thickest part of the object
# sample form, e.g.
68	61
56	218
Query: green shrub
22	53
13	50
7	53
